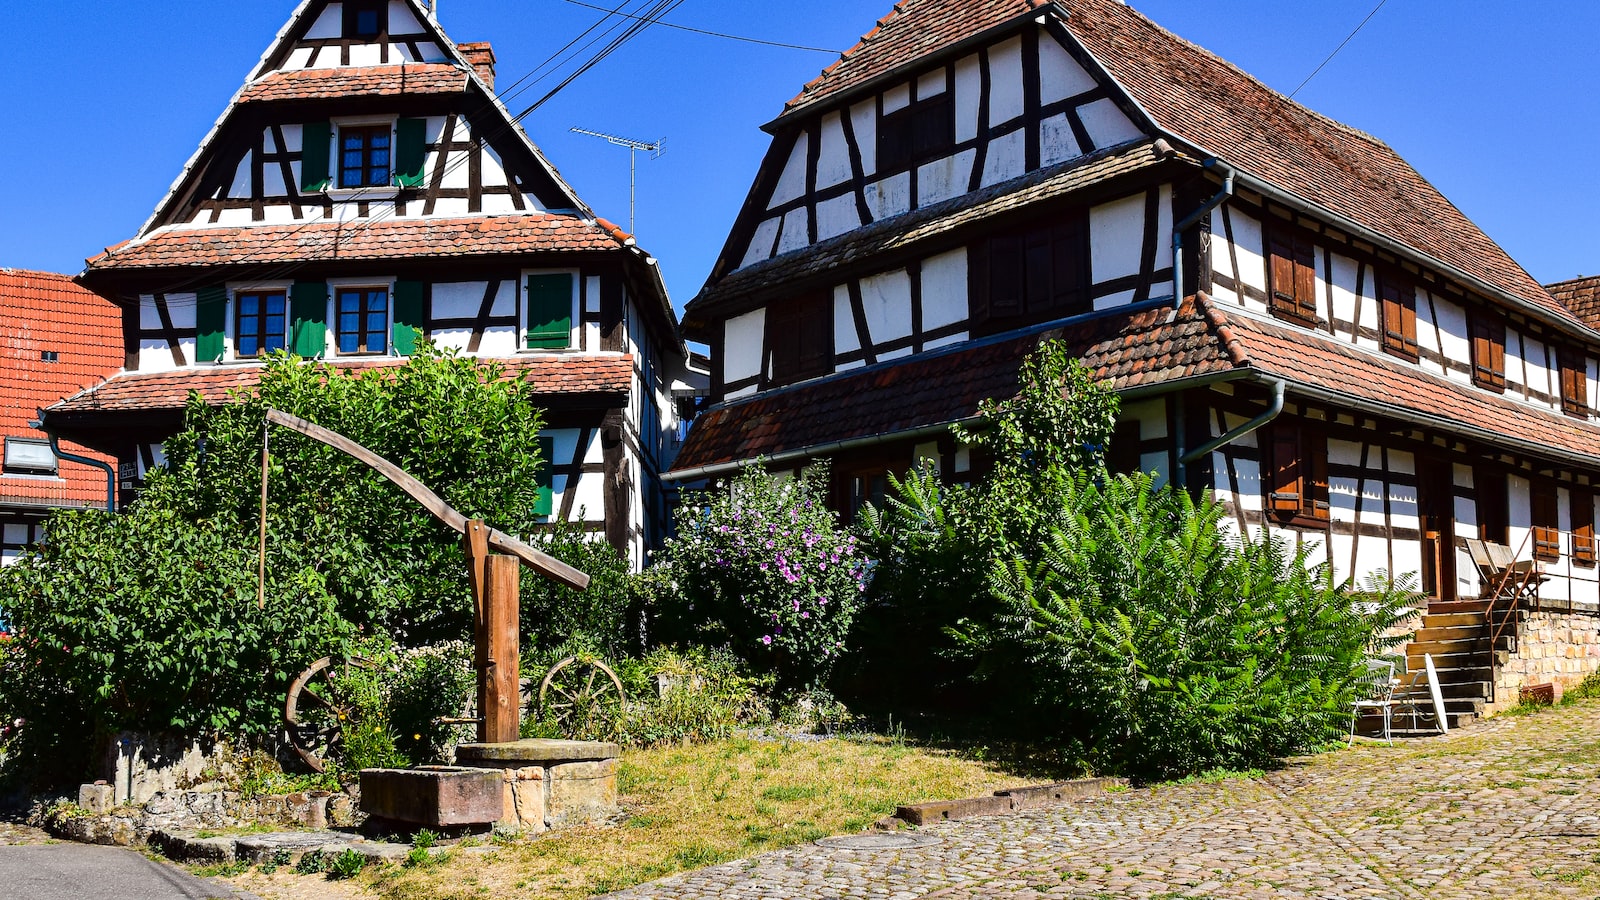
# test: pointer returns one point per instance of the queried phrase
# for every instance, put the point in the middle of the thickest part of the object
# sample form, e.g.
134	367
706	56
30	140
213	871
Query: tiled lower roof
557	374
434	238
942	387
366	81
1582	296
42	312
1131	350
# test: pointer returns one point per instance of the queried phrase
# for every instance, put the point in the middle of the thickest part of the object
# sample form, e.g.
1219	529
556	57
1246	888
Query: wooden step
1458	663
1450	620
1475	644
1446	607
1473	631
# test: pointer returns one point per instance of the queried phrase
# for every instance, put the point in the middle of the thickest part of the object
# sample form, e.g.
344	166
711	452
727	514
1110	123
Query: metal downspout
1188	222
110	470
1272	411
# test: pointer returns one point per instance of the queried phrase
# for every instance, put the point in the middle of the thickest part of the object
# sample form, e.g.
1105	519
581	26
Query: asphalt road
80	872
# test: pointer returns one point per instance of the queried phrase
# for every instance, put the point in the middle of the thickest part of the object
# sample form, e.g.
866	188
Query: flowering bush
768	568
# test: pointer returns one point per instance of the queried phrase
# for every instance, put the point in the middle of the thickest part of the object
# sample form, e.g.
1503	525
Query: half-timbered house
1295	319
55	339
365	189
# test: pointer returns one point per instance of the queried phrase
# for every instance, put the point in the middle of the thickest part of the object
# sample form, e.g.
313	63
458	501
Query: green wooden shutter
407	316
546	503
549	311
410	152
211	323
314	140
308	319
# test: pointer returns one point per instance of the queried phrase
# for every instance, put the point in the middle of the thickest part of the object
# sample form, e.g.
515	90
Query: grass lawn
691	807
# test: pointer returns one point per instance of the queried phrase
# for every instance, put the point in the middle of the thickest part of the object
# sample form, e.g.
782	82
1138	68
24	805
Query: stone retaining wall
1553	647
98	819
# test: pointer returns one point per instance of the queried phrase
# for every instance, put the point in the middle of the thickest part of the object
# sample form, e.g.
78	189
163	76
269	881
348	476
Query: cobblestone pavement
1507	808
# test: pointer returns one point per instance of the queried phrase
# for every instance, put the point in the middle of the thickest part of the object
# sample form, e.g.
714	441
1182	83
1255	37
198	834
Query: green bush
427	684
766	569
600	618
697	695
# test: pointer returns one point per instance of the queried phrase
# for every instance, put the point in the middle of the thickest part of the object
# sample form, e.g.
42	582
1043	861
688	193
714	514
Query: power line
1338	48
718	34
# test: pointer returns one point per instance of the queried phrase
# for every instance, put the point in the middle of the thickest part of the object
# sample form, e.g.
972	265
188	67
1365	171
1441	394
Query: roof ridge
1567	281
1219	322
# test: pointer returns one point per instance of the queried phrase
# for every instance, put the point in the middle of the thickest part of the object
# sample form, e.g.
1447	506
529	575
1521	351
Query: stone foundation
550	784
1553	647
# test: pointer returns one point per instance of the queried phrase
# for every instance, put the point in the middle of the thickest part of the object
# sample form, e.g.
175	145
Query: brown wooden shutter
1574	383
978	282
1583	546
1281	253
1037	268
1489	352
1305	280
782	341
1286	494
1546	525
1493	502
1399	317
815	335
1005	276
1069	244
1314	453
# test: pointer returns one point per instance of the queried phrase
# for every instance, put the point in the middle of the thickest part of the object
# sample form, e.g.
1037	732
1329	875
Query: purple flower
804	615
766	639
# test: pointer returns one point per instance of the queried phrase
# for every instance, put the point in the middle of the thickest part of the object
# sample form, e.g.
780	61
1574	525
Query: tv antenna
655	149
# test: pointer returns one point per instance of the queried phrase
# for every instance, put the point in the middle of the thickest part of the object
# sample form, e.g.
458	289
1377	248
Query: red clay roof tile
371	81
1581	295
564	374
41	312
183	247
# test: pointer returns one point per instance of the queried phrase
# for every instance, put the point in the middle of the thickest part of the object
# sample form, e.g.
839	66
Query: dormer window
364	156
366	18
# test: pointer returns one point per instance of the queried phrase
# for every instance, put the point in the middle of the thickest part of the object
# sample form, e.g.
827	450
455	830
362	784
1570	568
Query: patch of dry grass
691	807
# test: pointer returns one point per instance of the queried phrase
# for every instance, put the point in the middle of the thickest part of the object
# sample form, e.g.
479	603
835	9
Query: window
363	320
29	456
1489	352
919	133
1583	546
17	538
260	323
1574	383
799	338
1296	467
1399	317
1033	275
363	156
50	355
366	18
1546	527
1294	277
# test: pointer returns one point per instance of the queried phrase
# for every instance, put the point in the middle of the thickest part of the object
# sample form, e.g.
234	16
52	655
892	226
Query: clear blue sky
105	101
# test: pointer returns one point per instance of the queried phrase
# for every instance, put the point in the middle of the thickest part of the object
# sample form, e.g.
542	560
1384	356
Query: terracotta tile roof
557	374
371	81
1303	358
904	231
43	312
435	238
1131	350
1581	295
936	388
1206	101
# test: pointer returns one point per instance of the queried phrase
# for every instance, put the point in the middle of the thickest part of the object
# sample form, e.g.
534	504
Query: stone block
434	796
945	810
524	799
97	797
534	752
581	792
1043	794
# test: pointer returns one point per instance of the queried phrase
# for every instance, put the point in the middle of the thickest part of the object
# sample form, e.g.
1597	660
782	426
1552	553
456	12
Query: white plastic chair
1377	684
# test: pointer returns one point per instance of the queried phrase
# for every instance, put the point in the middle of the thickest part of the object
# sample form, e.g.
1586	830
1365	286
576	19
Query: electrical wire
719	34
1336	50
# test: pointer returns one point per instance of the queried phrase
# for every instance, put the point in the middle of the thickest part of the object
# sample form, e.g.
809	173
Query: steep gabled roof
1216	108
1140	350
1581	295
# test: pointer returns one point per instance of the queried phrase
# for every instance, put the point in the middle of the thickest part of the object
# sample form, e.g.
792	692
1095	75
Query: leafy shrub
148	619
346	864
766	569
697	695
424	685
1162	647
600	618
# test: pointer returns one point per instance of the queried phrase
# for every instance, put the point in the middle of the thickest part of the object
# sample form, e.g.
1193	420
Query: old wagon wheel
316	712
582	697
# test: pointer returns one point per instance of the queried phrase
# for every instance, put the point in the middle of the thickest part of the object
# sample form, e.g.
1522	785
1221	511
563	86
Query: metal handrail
1521	590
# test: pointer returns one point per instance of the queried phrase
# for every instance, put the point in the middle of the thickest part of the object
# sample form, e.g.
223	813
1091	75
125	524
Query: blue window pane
376	343
378	300
349	301
348	343
375	322
348	321
247	345
248	304
275	304
366	23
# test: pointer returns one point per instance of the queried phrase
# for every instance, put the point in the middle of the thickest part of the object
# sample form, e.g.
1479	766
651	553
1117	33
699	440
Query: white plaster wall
1248	248
1007	157
944	289
1060	76
864	120
795	230
886	298
837	216
792	183
969	89
741	345
845	339
1116	243
761	242
1005	81
833	161
890	196
944	178
1107	125
154	354
1057	143
588	493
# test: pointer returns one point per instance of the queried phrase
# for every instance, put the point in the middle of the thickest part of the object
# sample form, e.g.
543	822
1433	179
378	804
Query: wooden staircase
1458	634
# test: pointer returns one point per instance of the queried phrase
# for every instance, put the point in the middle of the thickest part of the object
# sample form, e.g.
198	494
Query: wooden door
1436	514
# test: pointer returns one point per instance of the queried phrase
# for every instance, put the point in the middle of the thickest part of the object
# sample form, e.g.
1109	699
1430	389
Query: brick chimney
481	55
